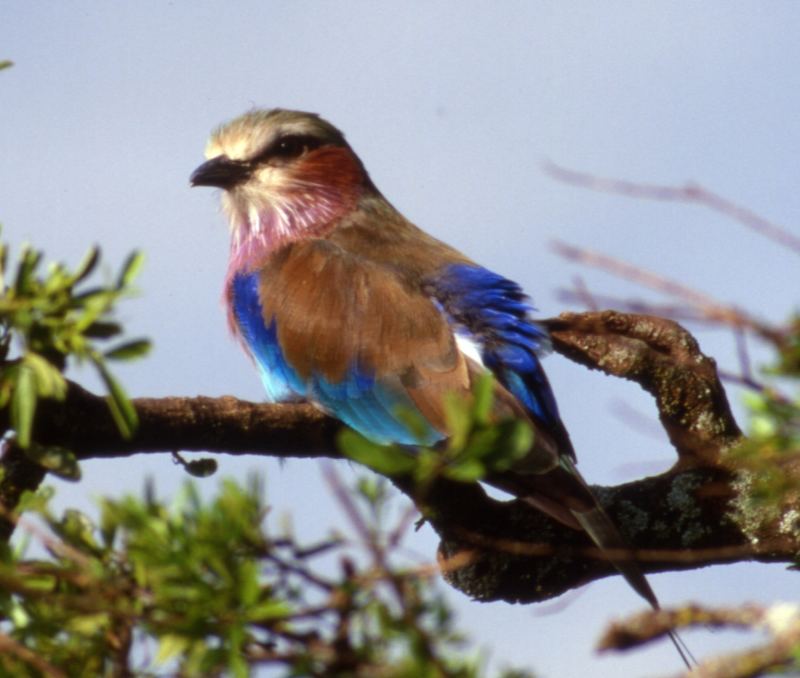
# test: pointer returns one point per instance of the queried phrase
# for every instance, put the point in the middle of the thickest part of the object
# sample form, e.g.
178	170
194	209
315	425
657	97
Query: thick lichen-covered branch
666	361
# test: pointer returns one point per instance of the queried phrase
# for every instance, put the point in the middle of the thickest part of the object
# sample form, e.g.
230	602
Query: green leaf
19	615
130	269
6	64
86	296
23	405
88	624
3	266
483	393
428	466
120	406
237	666
130	350
78	529
501	445
5	344
102	329
457	416
41	582
36	502
383	459
170	646
108	523
58	460
57	280
372	489
50	383
29	260
467	471
268	610
482	442
520	440
87	265
249	587
94	306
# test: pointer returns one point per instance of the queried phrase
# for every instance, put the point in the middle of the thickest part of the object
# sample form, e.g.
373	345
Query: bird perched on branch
342	301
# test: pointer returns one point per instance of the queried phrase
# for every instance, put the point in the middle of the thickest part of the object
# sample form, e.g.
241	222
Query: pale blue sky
452	106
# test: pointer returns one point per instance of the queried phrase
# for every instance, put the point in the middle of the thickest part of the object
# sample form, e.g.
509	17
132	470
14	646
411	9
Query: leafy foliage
477	446
48	318
199	588
772	450
767	467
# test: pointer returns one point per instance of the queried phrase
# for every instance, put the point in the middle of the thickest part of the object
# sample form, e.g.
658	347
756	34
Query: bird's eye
293	146
290	147
286	148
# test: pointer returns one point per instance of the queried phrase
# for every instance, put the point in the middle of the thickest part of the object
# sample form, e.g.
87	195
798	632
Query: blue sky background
452	106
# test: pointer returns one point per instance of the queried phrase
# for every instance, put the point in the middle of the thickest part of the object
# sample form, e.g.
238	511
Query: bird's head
284	174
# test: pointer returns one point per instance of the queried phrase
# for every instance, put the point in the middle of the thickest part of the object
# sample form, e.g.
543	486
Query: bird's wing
350	335
494	312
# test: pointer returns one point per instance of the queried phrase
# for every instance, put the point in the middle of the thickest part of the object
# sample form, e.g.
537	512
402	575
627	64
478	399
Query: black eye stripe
288	146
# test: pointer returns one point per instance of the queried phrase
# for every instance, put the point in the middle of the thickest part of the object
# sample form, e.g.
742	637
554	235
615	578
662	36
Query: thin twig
745	366
10	646
689	193
407	519
708	306
782	621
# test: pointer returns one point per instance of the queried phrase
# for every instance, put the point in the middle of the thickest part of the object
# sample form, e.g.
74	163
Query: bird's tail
596	523
563	494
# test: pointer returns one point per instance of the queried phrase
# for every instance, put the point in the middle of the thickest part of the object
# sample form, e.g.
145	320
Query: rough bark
689	517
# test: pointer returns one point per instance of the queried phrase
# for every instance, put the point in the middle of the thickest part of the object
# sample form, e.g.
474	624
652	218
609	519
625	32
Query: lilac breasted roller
341	301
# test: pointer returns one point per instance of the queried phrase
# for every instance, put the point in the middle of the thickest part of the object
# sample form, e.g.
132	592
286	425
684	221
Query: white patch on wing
470	348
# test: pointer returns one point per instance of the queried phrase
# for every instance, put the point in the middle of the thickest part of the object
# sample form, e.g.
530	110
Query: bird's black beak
221	172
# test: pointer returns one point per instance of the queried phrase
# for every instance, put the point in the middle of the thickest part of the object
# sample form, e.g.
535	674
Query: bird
341	301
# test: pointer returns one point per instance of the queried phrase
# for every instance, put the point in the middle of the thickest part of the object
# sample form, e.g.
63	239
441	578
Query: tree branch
686	518
665	360
781	621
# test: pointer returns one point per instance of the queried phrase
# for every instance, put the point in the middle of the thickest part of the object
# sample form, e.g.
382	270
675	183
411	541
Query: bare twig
707	307
781	621
689	193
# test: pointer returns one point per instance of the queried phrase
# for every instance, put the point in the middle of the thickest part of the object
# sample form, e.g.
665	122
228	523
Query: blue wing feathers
494	311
